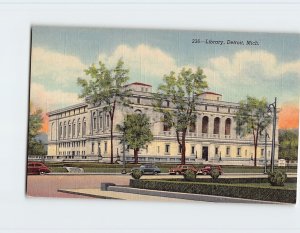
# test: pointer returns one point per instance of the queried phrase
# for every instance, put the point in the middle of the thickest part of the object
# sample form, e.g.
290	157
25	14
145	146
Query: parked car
180	169
148	169
37	168
206	170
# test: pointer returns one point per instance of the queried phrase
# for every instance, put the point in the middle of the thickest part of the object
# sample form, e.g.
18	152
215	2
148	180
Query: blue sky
59	55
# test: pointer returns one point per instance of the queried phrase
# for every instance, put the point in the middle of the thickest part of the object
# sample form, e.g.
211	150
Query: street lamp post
272	109
99	152
124	162
266	161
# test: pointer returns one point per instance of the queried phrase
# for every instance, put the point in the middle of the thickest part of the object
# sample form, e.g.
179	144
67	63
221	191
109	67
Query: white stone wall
80	147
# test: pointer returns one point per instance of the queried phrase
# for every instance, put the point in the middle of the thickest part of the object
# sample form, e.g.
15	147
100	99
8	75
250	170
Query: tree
181	91
252	118
106	86
35	147
288	144
136	132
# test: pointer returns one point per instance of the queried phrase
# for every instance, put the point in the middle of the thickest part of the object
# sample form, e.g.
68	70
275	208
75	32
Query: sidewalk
97	193
128	193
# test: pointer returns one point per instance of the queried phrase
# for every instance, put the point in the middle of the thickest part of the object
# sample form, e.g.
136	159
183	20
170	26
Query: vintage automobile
206	170
37	168
148	169
180	169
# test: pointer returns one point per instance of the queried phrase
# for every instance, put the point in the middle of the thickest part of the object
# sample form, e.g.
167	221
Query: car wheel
204	173
42	173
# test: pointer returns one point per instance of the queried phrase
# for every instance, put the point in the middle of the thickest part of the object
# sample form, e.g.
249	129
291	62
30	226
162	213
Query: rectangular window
216	150
206	107
167	148
142	89
92	147
262	152
179	149
158	149
193	150
239	151
147	149
228	151
105	147
138	100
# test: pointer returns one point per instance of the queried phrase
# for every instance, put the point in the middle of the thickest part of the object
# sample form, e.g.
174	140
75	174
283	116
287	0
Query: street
47	185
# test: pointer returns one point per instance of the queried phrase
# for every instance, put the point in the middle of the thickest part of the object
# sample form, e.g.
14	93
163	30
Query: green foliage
252	118
136	174
136	130
106	86
276	194
181	91
215	173
35	147
189	175
288	145
277	178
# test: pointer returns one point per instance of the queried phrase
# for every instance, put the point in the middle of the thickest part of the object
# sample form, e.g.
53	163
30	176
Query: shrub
215	173
277	178
189	175
277	194
136	174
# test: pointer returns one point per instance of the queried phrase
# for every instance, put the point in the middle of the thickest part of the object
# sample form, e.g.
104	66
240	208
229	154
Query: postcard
163	115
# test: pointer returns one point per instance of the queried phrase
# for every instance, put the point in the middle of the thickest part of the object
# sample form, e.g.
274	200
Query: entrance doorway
205	153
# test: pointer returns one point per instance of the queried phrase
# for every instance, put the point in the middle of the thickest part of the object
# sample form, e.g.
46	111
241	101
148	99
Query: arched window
78	127
74	129
83	127
65	129
138	111
166	126
60	130
101	121
94	121
69	129
52	130
217	125
205	124
192	127
107	120
227	126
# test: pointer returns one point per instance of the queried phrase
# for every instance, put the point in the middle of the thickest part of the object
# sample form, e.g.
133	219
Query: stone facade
82	133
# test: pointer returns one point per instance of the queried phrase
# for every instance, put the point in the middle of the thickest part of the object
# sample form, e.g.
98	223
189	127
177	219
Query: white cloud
248	65
61	68
143	60
51	100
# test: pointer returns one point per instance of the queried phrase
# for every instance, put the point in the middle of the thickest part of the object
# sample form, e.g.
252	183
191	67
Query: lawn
117	168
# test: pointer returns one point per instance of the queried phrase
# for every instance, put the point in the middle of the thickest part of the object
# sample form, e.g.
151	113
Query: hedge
236	180
275	194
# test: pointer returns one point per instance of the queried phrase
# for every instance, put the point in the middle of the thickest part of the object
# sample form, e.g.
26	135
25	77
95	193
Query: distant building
82	133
